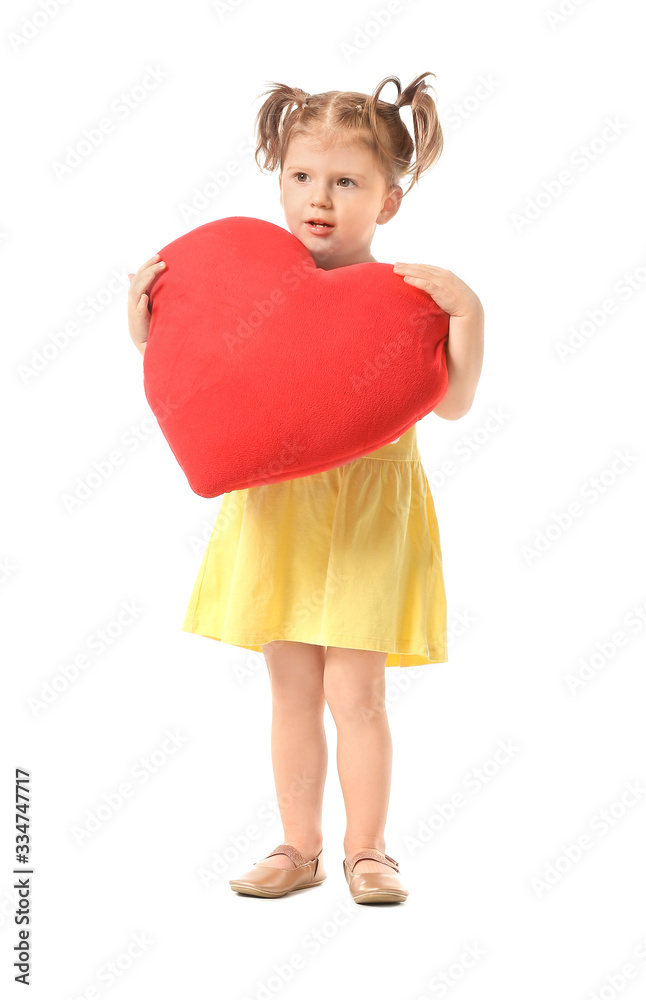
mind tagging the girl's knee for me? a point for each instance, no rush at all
(355, 686)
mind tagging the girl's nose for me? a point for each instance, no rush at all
(320, 199)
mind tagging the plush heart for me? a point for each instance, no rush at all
(261, 367)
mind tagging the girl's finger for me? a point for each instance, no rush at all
(418, 269)
(145, 277)
(150, 265)
(154, 271)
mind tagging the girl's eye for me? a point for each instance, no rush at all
(301, 173)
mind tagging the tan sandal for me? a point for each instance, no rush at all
(374, 887)
(263, 880)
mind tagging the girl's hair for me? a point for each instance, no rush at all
(336, 114)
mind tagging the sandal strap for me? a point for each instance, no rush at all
(291, 853)
(372, 855)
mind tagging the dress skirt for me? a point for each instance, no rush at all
(346, 557)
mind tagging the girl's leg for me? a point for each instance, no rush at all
(298, 744)
(355, 688)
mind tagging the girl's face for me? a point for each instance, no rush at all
(341, 185)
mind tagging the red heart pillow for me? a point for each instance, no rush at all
(261, 367)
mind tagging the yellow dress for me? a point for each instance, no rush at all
(346, 557)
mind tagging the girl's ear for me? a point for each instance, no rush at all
(391, 204)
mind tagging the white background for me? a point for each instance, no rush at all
(521, 100)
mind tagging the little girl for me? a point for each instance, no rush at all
(337, 575)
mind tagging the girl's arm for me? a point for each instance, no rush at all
(465, 344)
(464, 354)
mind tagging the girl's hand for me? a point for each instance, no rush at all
(450, 292)
(138, 313)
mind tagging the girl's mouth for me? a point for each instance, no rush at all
(320, 228)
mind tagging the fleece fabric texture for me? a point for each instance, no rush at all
(261, 367)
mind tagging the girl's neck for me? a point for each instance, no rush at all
(331, 266)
